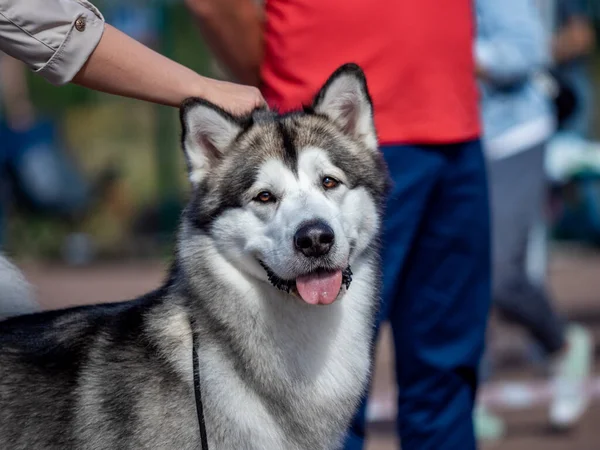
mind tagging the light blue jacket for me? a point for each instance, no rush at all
(512, 47)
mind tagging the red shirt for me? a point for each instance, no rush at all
(416, 54)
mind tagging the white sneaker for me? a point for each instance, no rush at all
(571, 371)
(488, 426)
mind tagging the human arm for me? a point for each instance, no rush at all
(67, 41)
(122, 66)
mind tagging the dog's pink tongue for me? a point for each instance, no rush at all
(319, 288)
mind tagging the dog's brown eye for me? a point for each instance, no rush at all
(265, 197)
(330, 183)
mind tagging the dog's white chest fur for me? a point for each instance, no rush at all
(298, 382)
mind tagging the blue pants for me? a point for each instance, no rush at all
(436, 291)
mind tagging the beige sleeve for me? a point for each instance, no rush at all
(53, 37)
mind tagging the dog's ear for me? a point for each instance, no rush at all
(346, 101)
(207, 132)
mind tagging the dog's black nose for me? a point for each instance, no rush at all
(314, 239)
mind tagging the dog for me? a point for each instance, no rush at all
(276, 273)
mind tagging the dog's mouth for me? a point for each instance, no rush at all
(319, 287)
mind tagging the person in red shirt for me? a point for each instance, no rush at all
(417, 57)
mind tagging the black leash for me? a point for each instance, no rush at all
(198, 393)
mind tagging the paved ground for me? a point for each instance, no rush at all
(575, 279)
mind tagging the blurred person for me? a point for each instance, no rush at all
(38, 173)
(16, 296)
(573, 40)
(573, 43)
(418, 60)
(67, 41)
(512, 50)
(36, 170)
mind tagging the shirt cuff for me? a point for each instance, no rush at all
(82, 39)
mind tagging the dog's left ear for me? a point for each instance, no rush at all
(207, 133)
(346, 101)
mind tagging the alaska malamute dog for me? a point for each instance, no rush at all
(275, 276)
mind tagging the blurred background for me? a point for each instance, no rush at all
(91, 187)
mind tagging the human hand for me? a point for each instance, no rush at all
(235, 98)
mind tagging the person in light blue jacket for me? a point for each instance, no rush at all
(512, 52)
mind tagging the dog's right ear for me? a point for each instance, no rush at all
(346, 101)
(207, 133)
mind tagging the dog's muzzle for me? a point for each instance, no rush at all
(289, 286)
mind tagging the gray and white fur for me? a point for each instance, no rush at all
(276, 372)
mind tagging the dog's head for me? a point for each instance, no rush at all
(290, 199)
